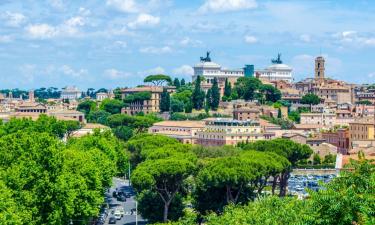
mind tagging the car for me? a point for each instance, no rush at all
(112, 220)
(121, 198)
(117, 215)
(114, 194)
(121, 210)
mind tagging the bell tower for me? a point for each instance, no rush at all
(319, 69)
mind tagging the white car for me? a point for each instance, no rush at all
(121, 210)
(117, 215)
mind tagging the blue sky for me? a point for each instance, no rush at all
(111, 43)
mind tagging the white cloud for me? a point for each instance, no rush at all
(250, 39)
(67, 70)
(70, 27)
(28, 72)
(5, 39)
(114, 74)
(156, 70)
(370, 42)
(128, 6)
(144, 20)
(226, 5)
(371, 75)
(184, 70)
(57, 4)
(305, 38)
(13, 19)
(41, 31)
(186, 41)
(155, 50)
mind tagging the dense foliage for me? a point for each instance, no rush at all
(310, 99)
(157, 79)
(138, 96)
(46, 181)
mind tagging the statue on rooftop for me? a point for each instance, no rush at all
(207, 59)
(278, 60)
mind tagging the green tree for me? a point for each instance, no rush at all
(316, 159)
(329, 158)
(310, 99)
(151, 206)
(349, 198)
(188, 107)
(98, 116)
(86, 106)
(279, 115)
(227, 88)
(176, 83)
(271, 93)
(164, 176)
(157, 79)
(294, 152)
(198, 95)
(165, 101)
(215, 95)
(294, 116)
(182, 82)
(176, 105)
(184, 96)
(123, 133)
(113, 106)
(246, 87)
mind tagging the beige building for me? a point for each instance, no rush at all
(324, 119)
(361, 130)
(220, 131)
(184, 131)
(146, 106)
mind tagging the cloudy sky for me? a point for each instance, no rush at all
(110, 43)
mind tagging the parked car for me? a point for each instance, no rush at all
(121, 198)
(121, 210)
(117, 215)
(112, 220)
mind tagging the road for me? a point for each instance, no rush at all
(128, 219)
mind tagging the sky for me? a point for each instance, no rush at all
(116, 43)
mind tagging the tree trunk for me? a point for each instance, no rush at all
(284, 183)
(274, 184)
(165, 215)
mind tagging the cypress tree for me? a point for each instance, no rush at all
(279, 113)
(215, 95)
(198, 95)
(176, 83)
(165, 101)
(182, 83)
(227, 88)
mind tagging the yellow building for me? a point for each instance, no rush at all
(361, 130)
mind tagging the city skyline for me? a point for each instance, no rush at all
(118, 42)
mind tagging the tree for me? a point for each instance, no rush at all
(364, 102)
(349, 198)
(176, 105)
(310, 99)
(164, 176)
(137, 97)
(184, 96)
(98, 116)
(215, 95)
(176, 83)
(151, 206)
(157, 79)
(295, 116)
(279, 115)
(188, 107)
(271, 93)
(198, 95)
(208, 101)
(123, 133)
(182, 82)
(246, 87)
(165, 101)
(294, 152)
(227, 88)
(316, 159)
(113, 106)
(329, 158)
(86, 106)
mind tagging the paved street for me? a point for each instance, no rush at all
(129, 218)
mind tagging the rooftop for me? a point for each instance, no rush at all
(186, 123)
